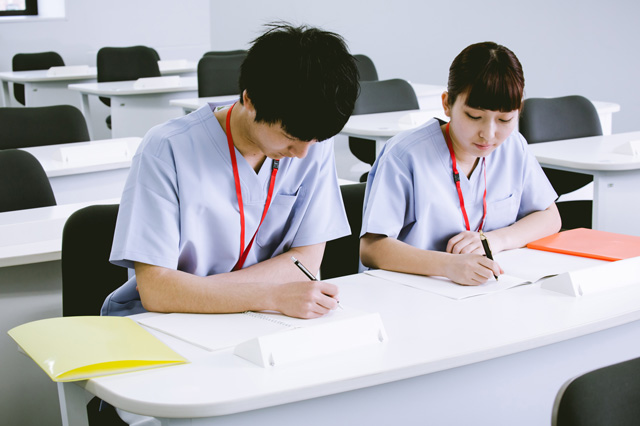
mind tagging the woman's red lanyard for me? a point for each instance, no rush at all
(456, 179)
(272, 180)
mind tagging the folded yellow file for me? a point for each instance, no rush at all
(78, 348)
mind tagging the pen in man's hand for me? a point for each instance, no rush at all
(487, 250)
(307, 273)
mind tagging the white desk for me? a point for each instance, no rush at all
(487, 360)
(616, 190)
(93, 170)
(30, 289)
(42, 89)
(191, 104)
(134, 111)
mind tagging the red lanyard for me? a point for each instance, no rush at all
(272, 180)
(456, 179)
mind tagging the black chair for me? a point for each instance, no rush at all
(24, 127)
(366, 68)
(380, 96)
(218, 74)
(342, 256)
(126, 63)
(23, 182)
(33, 61)
(606, 396)
(568, 117)
(88, 277)
(226, 52)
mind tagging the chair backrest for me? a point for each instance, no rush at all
(218, 74)
(385, 96)
(606, 396)
(342, 256)
(87, 275)
(33, 61)
(366, 68)
(24, 127)
(23, 182)
(550, 119)
(226, 52)
(126, 63)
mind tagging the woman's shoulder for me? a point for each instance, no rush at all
(407, 142)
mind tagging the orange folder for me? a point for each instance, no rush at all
(590, 243)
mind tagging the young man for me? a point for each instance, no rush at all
(218, 201)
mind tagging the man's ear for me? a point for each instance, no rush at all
(246, 102)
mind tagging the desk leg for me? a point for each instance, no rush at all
(616, 204)
(86, 111)
(73, 404)
(5, 93)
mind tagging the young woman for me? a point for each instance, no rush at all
(434, 188)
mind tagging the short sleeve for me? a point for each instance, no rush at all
(147, 229)
(537, 192)
(389, 201)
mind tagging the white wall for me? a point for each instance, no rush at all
(176, 29)
(587, 47)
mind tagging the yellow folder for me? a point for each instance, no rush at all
(78, 348)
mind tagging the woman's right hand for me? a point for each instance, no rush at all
(471, 269)
(306, 299)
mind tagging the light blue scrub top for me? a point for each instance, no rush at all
(411, 195)
(179, 208)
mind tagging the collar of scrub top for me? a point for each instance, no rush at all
(236, 177)
(456, 180)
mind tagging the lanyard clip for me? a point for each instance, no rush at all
(275, 164)
(456, 177)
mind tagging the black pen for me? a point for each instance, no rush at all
(307, 273)
(487, 250)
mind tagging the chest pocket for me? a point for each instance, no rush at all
(503, 212)
(279, 222)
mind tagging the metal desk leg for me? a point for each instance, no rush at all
(5, 93)
(86, 111)
(73, 404)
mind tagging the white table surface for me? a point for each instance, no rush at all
(520, 344)
(133, 110)
(616, 186)
(37, 81)
(100, 173)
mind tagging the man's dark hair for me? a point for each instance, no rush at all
(302, 78)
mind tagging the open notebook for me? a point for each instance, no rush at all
(78, 348)
(221, 331)
(521, 266)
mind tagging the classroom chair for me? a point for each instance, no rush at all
(126, 63)
(380, 96)
(23, 182)
(24, 127)
(30, 62)
(88, 277)
(342, 256)
(567, 117)
(606, 396)
(218, 74)
(366, 68)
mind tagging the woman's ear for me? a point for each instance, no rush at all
(445, 104)
(246, 101)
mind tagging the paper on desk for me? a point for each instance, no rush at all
(521, 266)
(220, 331)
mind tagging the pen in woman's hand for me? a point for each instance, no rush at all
(308, 273)
(487, 250)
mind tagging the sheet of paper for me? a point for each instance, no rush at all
(219, 331)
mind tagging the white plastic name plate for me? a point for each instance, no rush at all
(595, 279)
(68, 71)
(95, 153)
(629, 148)
(157, 82)
(309, 342)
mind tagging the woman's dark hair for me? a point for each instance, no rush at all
(302, 78)
(491, 76)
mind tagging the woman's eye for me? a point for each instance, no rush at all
(472, 117)
(506, 120)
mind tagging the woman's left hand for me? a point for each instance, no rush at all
(464, 243)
